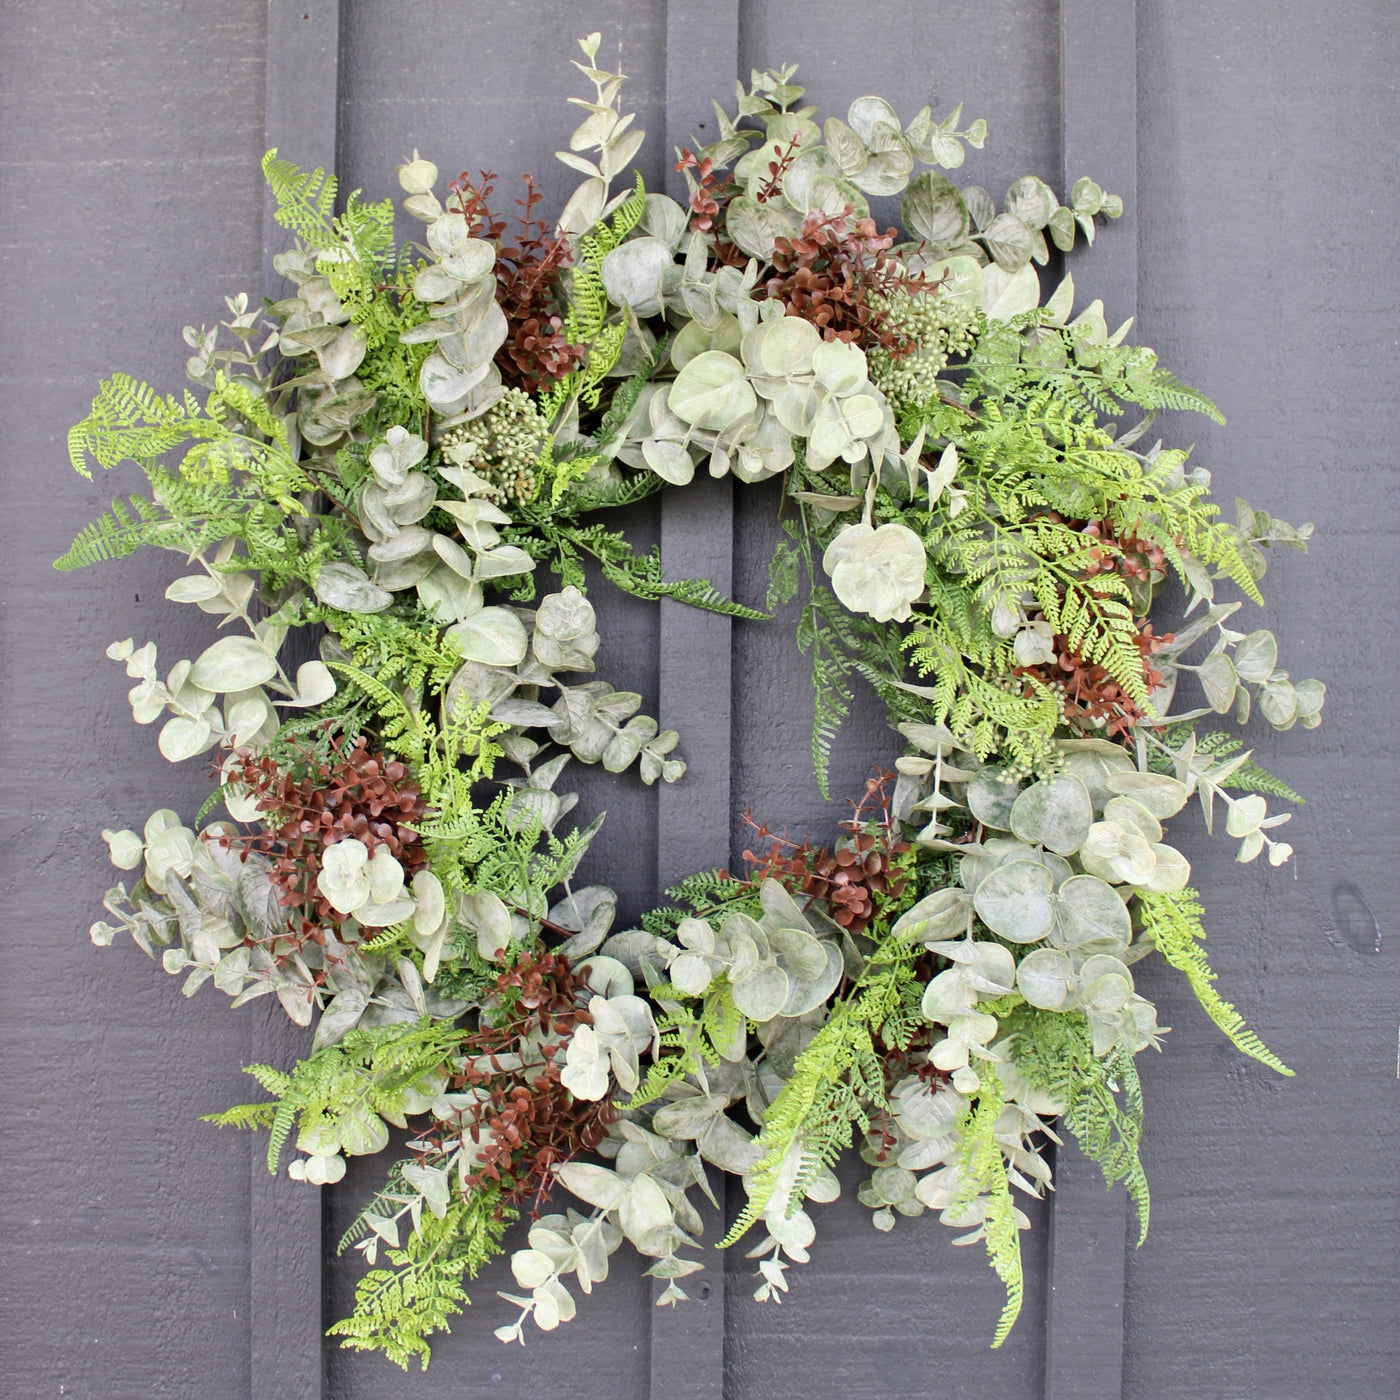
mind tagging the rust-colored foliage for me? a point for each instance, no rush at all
(855, 879)
(1091, 694)
(708, 202)
(315, 803)
(536, 349)
(829, 272)
(523, 1126)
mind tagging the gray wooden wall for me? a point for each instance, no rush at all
(1255, 147)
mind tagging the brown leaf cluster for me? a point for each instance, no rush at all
(523, 1126)
(313, 804)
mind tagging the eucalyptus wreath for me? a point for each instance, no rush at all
(410, 461)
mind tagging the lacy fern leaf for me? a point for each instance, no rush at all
(1173, 923)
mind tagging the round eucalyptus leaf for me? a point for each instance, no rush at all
(961, 279)
(694, 339)
(1278, 703)
(1014, 901)
(530, 1267)
(1061, 228)
(1107, 991)
(803, 956)
(754, 227)
(864, 415)
(1055, 812)
(810, 164)
(1126, 809)
(949, 994)
(446, 387)
(885, 172)
(493, 636)
(1161, 795)
(408, 543)
(686, 1118)
(470, 259)
(840, 367)
(808, 994)
(644, 1208)
(780, 908)
(991, 797)
(1009, 242)
(934, 209)
(363, 1133)
(1032, 201)
(723, 1142)
(847, 147)
(194, 588)
(503, 561)
(796, 407)
(711, 393)
(1218, 678)
(1008, 294)
(868, 114)
(1172, 873)
(1245, 815)
(1044, 977)
(1090, 918)
(1091, 761)
(989, 968)
(1086, 197)
(788, 348)
(598, 1186)
(763, 994)
(233, 663)
(453, 555)
(942, 914)
(634, 274)
(1256, 657)
(1308, 698)
(182, 738)
(435, 283)
(691, 973)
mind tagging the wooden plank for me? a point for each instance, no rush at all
(702, 61)
(303, 50)
(1088, 1225)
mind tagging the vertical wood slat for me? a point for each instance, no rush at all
(702, 62)
(303, 41)
(1088, 1225)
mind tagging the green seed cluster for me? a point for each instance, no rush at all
(939, 326)
(1036, 753)
(503, 446)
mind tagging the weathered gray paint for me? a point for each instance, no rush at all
(130, 201)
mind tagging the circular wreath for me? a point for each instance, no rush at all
(398, 454)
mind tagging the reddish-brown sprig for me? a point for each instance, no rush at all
(830, 272)
(314, 803)
(536, 350)
(856, 879)
(522, 1126)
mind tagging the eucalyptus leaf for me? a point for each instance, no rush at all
(1014, 901)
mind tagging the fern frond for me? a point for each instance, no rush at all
(398, 1308)
(305, 200)
(984, 1176)
(1173, 923)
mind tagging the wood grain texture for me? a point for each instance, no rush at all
(285, 1275)
(127, 1271)
(488, 93)
(1270, 1269)
(130, 134)
(695, 816)
(904, 1315)
(1088, 1224)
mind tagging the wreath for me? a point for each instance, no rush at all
(396, 457)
